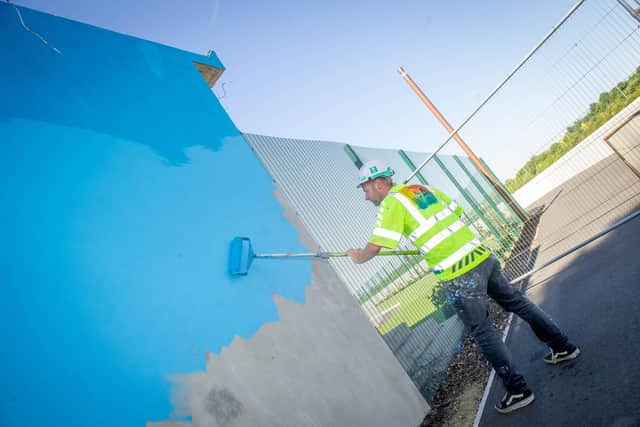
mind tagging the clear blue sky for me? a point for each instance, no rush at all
(327, 69)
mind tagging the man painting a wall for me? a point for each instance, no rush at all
(468, 271)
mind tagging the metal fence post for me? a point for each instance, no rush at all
(421, 178)
(469, 200)
(523, 210)
(412, 167)
(513, 235)
(480, 189)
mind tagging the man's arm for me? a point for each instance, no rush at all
(359, 256)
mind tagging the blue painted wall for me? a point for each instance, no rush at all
(122, 181)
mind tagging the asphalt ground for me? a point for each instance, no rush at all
(594, 296)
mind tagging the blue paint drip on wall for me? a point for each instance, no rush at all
(122, 181)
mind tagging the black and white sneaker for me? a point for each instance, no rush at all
(570, 352)
(511, 402)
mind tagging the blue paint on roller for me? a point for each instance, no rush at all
(240, 256)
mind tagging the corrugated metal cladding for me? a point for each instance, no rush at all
(319, 181)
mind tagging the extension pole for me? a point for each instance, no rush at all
(476, 161)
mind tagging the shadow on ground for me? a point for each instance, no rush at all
(594, 296)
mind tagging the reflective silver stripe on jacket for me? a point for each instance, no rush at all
(387, 234)
(439, 237)
(424, 224)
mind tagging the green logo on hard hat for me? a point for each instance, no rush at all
(374, 169)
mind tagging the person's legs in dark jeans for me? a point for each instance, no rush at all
(469, 296)
(540, 322)
(512, 300)
(474, 314)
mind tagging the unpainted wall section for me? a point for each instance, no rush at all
(322, 364)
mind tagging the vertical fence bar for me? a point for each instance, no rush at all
(511, 236)
(353, 156)
(422, 179)
(469, 200)
(505, 189)
(480, 189)
(412, 167)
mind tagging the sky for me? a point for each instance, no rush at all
(327, 70)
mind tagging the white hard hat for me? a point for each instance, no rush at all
(374, 169)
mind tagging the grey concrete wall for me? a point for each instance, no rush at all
(322, 364)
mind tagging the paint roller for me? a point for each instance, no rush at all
(241, 255)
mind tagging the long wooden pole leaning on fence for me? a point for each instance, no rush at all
(476, 161)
